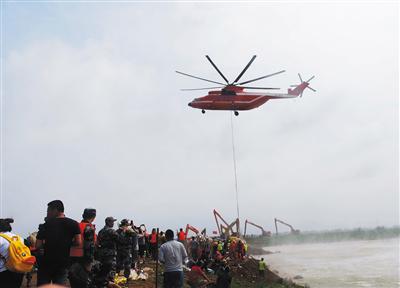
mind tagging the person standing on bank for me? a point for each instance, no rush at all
(58, 235)
(107, 241)
(173, 255)
(262, 266)
(124, 247)
(7, 278)
(80, 273)
(142, 244)
(135, 246)
(88, 234)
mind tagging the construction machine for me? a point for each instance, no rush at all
(292, 230)
(195, 230)
(225, 229)
(263, 232)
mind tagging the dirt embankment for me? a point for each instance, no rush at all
(244, 275)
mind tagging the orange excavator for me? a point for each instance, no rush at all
(195, 230)
(226, 229)
(292, 230)
(263, 232)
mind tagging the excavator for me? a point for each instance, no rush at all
(227, 229)
(292, 230)
(263, 232)
(195, 230)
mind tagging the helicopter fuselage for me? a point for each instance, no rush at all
(218, 101)
(229, 98)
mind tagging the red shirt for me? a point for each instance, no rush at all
(181, 236)
(197, 269)
(153, 238)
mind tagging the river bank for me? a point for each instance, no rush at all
(244, 275)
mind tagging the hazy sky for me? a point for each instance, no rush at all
(92, 113)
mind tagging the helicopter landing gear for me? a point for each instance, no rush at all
(236, 113)
(203, 111)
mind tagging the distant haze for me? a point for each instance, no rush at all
(92, 113)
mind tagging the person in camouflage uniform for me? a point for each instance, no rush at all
(80, 273)
(89, 235)
(81, 276)
(124, 247)
(107, 240)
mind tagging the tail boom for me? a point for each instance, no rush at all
(298, 89)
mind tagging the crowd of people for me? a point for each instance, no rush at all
(68, 251)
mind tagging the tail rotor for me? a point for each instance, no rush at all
(307, 83)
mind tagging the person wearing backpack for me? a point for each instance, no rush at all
(58, 235)
(15, 257)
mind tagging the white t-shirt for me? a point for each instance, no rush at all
(173, 255)
(4, 244)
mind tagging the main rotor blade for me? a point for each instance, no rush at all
(311, 89)
(310, 79)
(300, 77)
(259, 78)
(244, 70)
(199, 78)
(216, 68)
(194, 89)
(261, 88)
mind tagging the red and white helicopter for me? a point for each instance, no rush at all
(232, 96)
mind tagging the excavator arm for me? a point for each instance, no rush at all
(219, 226)
(292, 230)
(191, 228)
(226, 229)
(264, 233)
(230, 231)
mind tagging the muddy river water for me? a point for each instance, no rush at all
(372, 263)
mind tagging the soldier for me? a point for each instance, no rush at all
(124, 247)
(80, 272)
(107, 252)
(88, 234)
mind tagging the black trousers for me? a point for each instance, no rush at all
(55, 275)
(173, 279)
(124, 262)
(11, 279)
(107, 271)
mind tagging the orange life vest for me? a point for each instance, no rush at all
(77, 251)
(82, 227)
(181, 236)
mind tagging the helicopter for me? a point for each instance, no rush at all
(232, 97)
